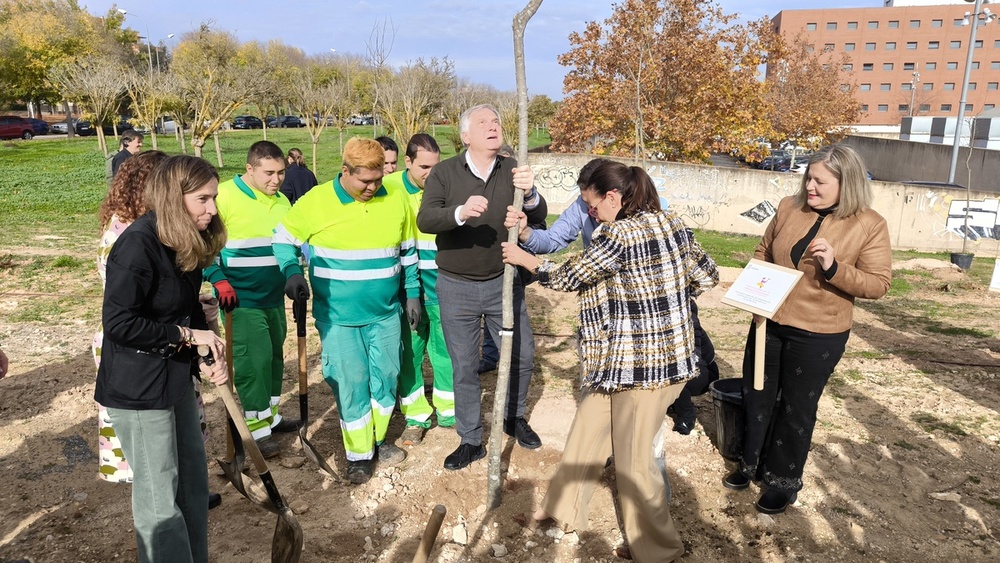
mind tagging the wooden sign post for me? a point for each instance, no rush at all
(761, 289)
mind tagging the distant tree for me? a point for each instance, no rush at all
(276, 65)
(213, 82)
(465, 94)
(350, 71)
(415, 94)
(379, 47)
(809, 96)
(96, 84)
(315, 89)
(149, 95)
(541, 108)
(662, 79)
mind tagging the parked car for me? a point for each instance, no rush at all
(285, 121)
(13, 127)
(86, 128)
(166, 126)
(61, 128)
(39, 126)
(361, 120)
(247, 122)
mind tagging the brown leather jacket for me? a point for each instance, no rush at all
(864, 265)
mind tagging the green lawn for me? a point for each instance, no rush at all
(52, 188)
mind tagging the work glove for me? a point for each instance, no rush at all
(296, 288)
(227, 295)
(413, 310)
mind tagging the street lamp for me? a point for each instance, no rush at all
(149, 52)
(913, 89)
(169, 36)
(976, 18)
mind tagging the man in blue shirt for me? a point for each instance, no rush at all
(573, 221)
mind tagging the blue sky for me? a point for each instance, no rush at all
(475, 34)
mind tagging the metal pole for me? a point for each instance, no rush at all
(913, 89)
(974, 22)
(149, 52)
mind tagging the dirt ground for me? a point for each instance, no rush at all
(904, 465)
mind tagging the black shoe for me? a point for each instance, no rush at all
(775, 501)
(486, 366)
(736, 481)
(519, 428)
(359, 472)
(684, 427)
(214, 500)
(389, 454)
(287, 425)
(268, 447)
(463, 456)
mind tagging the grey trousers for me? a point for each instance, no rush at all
(464, 304)
(166, 451)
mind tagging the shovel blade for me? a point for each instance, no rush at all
(286, 546)
(310, 451)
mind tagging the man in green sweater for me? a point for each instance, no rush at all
(248, 282)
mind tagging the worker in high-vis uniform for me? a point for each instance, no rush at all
(249, 284)
(422, 153)
(363, 251)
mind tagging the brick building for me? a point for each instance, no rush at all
(905, 54)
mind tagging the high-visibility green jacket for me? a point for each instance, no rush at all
(248, 260)
(426, 247)
(361, 252)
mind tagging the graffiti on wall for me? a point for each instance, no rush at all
(982, 219)
(760, 212)
(558, 183)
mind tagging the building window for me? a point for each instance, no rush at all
(872, 25)
(972, 85)
(914, 24)
(933, 44)
(906, 86)
(849, 67)
(886, 66)
(890, 46)
(992, 85)
(864, 107)
(995, 65)
(903, 108)
(957, 22)
(894, 24)
(945, 107)
(831, 26)
(952, 66)
(810, 27)
(949, 85)
(866, 87)
(885, 87)
(869, 46)
(911, 45)
(925, 107)
(968, 108)
(979, 43)
(928, 86)
(852, 25)
(868, 67)
(848, 46)
(955, 45)
(828, 48)
(937, 23)
(987, 107)
(975, 65)
(996, 43)
(883, 107)
(909, 66)
(930, 66)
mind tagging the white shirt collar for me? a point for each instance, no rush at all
(472, 167)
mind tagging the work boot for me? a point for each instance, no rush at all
(360, 471)
(287, 425)
(412, 436)
(268, 447)
(389, 454)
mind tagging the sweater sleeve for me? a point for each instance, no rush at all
(561, 234)
(435, 216)
(871, 275)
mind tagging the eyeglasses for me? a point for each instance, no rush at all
(592, 209)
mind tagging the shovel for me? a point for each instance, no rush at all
(299, 313)
(235, 455)
(286, 545)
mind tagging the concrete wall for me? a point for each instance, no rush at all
(904, 161)
(739, 200)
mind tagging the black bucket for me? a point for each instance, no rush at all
(727, 396)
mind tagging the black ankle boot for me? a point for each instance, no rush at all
(775, 501)
(736, 481)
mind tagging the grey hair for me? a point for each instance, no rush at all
(463, 121)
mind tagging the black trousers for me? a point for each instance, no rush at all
(708, 371)
(781, 417)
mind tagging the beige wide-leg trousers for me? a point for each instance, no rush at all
(622, 424)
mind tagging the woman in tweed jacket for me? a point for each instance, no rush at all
(635, 282)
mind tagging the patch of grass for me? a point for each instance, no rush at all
(995, 503)
(44, 310)
(727, 249)
(958, 331)
(853, 375)
(69, 262)
(905, 445)
(845, 512)
(867, 354)
(899, 286)
(930, 423)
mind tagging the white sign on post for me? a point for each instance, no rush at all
(761, 288)
(995, 280)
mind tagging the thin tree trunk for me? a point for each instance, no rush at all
(494, 480)
(218, 149)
